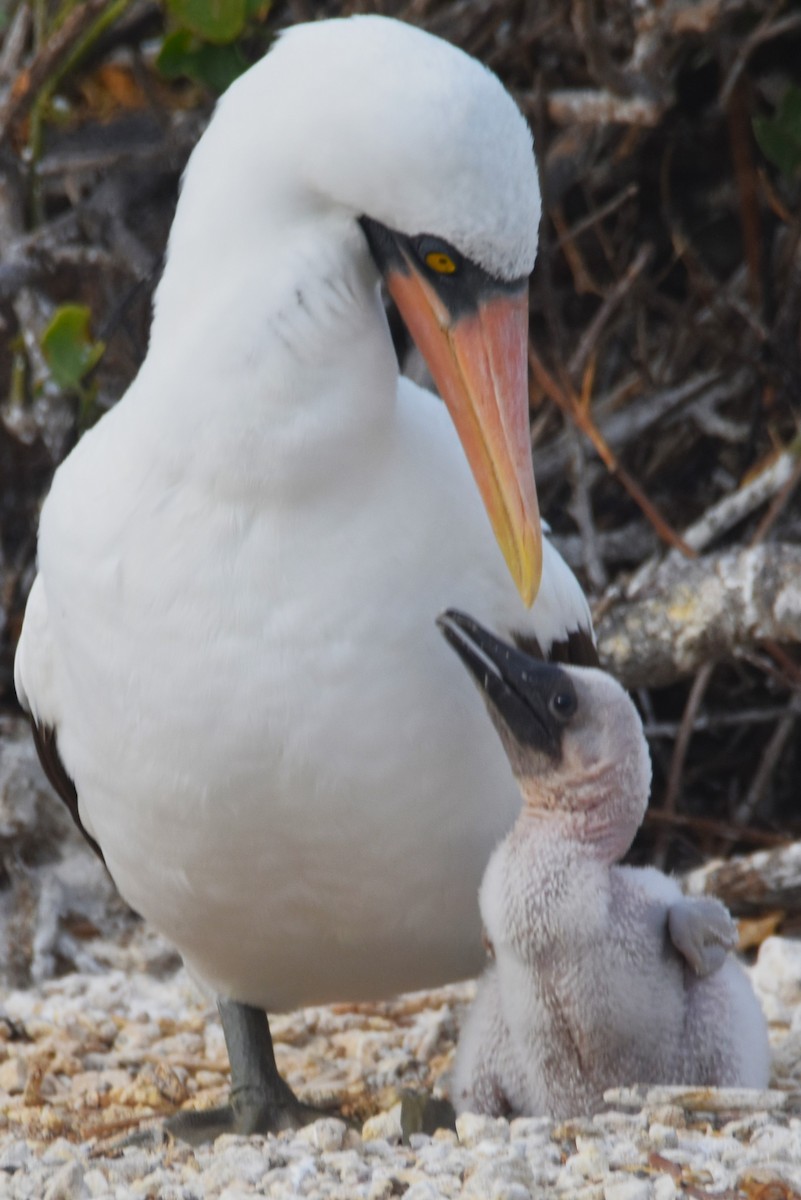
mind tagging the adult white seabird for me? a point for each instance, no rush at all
(229, 653)
(603, 974)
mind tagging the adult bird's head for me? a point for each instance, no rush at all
(365, 147)
(572, 736)
(455, 239)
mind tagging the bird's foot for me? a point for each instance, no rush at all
(703, 932)
(424, 1113)
(249, 1111)
(261, 1101)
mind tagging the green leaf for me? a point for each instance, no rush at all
(258, 10)
(214, 66)
(177, 51)
(68, 347)
(217, 21)
(779, 136)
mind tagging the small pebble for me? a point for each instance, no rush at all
(662, 1136)
(471, 1128)
(95, 1182)
(13, 1076)
(384, 1126)
(67, 1183)
(628, 1189)
(664, 1188)
(327, 1134)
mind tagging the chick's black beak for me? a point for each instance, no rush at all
(530, 701)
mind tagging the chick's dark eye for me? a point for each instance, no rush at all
(563, 704)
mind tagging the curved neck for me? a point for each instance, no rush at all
(539, 888)
(269, 344)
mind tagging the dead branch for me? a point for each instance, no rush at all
(586, 107)
(680, 748)
(620, 428)
(47, 63)
(724, 831)
(629, 544)
(578, 410)
(589, 338)
(732, 509)
(773, 480)
(701, 611)
(757, 883)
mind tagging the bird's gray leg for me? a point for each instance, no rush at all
(702, 931)
(261, 1102)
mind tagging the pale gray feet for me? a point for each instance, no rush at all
(703, 932)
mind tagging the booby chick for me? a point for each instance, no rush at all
(229, 653)
(603, 975)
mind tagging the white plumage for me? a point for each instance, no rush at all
(232, 631)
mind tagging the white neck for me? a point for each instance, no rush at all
(279, 294)
(539, 886)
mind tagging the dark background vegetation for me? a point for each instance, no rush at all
(666, 303)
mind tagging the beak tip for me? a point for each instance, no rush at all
(526, 570)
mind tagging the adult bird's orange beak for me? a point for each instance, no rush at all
(477, 354)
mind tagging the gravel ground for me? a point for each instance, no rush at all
(90, 1063)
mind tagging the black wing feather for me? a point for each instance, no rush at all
(44, 738)
(577, 649)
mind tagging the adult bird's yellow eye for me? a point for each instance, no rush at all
(440, 262)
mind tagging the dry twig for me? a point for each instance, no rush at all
(703, 611)
(755, 884)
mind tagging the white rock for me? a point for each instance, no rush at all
(384, 1126)
(508, 1179)
(664, 1188)
(96, 1183)
(777, 977)
(473, 1128)
(590, 1162)
(628, 1189)
(327, 1134)
(424, 1191)
(382, 1188)
(13, 1076)
(535, 1130)
(15, 1156)
(662, 1136)
(67, 1183)
(59, 1151)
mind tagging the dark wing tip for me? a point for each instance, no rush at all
(577, 649)
(44, 738)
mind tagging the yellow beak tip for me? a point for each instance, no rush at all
(526, 570)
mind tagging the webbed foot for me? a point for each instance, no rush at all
(261, 1101)
(243, 1117)
(703, 932)
(424, 1113)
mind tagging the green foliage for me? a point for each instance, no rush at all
(779, 136)
(216, 67)
(218, 21)
(68, 346)
(205, 45)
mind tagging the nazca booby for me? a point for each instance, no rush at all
(229, 653)
(603, 975)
